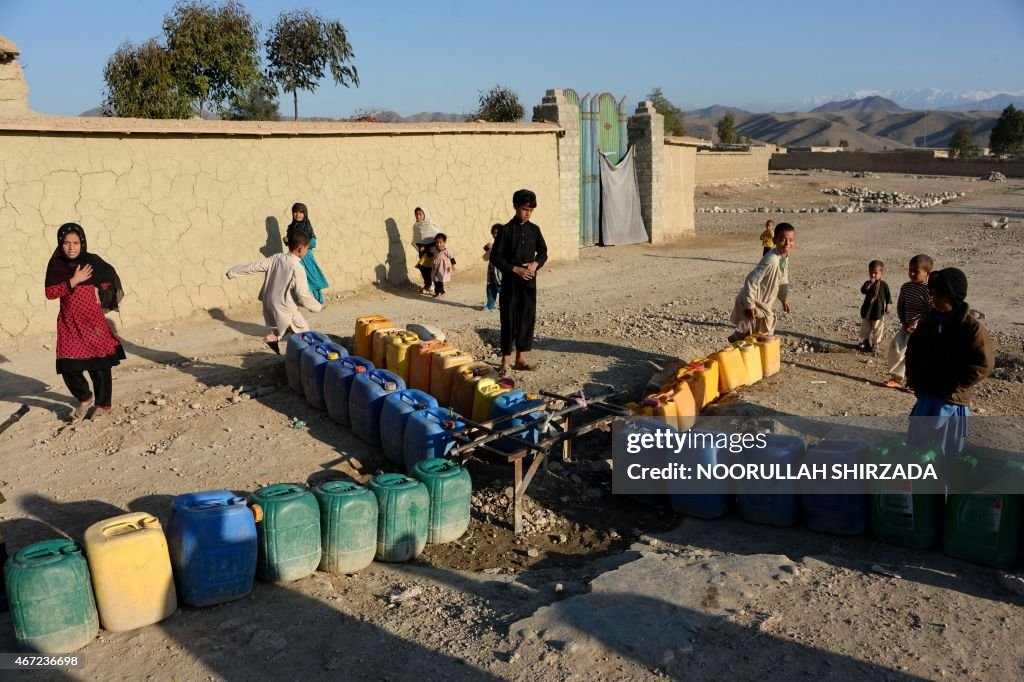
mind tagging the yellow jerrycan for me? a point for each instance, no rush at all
(732, 373)
(131, 571)
(362, 341)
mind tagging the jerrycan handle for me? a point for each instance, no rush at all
(49, 553)
(284, 490)
(125, 527)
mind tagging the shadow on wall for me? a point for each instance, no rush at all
(396, 270)
(274, 244)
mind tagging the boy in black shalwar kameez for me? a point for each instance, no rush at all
(519, 252)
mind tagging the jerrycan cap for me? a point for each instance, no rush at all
(150, 522)
(390, 386)
(447, 425)
(507, 382)
(332, 356)
(765, 338)
(360, 369)
(696, 366)
(650, 402)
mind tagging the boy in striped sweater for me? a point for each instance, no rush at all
(913, 302)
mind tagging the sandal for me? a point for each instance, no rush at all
(273, 345)
(892, 383)
(525, 367)
(83, 407)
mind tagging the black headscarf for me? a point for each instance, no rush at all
(61, 268)
(305, 225)
(952, 282)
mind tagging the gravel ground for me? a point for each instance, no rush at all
(599, 587)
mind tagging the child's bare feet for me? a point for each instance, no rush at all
(273, 342)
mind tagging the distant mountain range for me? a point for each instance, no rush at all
(917, 99)
(870, 123)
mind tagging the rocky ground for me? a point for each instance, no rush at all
(599, 587)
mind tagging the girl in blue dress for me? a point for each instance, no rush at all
(314, 275)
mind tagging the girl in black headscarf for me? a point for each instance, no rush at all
(314, 276)
(87, 286)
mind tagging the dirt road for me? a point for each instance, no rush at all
(615, 589)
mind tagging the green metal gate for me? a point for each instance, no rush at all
(602, 131)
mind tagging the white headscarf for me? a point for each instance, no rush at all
(424, 231)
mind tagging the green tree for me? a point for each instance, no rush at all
(140, 83)
(844, 144)
(727, 129)
(300, 46)
(500, 105)
(215, 49)
(674, 117)
(258, 102)
(1007, 137)
(962, 143)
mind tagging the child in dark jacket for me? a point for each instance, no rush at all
(947, 355)
(877, 304)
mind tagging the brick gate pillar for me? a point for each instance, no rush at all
(647, 135)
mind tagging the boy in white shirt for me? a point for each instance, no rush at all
(284, 289)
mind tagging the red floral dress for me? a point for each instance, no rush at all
(84, 339)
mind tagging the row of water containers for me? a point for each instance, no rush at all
(983, 528)
(407, 396)
(680, 396)
(131, 574)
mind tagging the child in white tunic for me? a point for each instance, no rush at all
(284, 289)
(752, 313)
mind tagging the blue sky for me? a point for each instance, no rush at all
(438, 56)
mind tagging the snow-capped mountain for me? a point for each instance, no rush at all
(927, 98)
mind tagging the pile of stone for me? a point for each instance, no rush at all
(852, 208)
(863, 195)
(1002, 223)
(994, 176)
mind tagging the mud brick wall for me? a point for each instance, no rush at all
(174, 204)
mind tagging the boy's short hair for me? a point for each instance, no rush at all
(876, 265)
(769, 222)
(782, 227)
(442, 236)
(524, 197)
(923, 262)
(297, 239)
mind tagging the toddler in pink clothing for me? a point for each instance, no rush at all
(444, 264)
